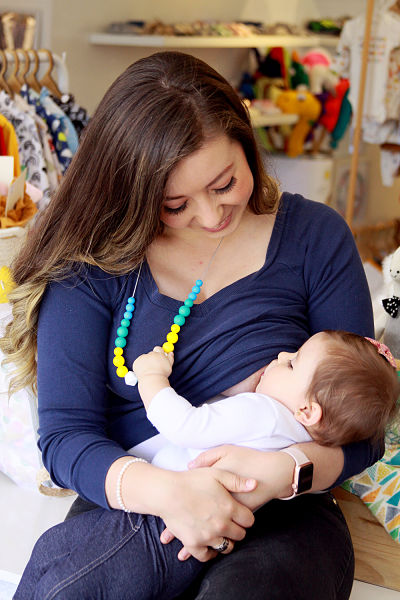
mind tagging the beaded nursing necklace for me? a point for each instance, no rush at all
(172, 336)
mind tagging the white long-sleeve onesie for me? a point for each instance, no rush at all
(251, 419)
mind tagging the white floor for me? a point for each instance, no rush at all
(26, 514)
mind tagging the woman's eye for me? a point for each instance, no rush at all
(175, 211)
(228, 187)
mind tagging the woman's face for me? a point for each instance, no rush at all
(209, 190)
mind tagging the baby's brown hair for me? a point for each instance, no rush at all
(357, 389)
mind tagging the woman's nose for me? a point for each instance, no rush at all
(209, 213)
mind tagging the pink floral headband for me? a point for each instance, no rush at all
(384, 350)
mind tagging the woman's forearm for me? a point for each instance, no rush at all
(328, 464)
(141, 486)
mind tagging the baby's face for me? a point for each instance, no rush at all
(288, 378)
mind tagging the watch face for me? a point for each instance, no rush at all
(305, 478)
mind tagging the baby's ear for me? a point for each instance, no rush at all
(309, 414)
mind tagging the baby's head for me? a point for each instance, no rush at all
(338, 385)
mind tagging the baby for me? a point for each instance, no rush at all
(337, 388)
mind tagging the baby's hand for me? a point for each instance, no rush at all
(156, 362)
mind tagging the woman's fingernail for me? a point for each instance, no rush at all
(250, 483)
(183, 555)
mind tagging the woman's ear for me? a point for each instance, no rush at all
(309, 414)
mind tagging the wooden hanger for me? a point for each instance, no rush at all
(30, 77)
(47, 79)
(3, 83)
(12, 80)
(26, 63)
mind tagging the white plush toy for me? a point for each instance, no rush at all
(387, 324)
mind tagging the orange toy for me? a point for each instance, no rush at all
(308, 108)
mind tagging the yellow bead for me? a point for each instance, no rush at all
(175, 328)
(122, 371)
(172, 337)
(118, 351)
(119, 361)
(168, 347)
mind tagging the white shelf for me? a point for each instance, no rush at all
(255, 41)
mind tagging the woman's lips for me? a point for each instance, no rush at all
(221, 226)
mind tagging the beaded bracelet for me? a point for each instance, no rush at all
(119, 482)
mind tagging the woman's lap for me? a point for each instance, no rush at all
(300, 549)
(297, 550)
(99, 555)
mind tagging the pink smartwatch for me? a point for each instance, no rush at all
(302, 474)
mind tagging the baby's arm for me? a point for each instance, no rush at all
(152, 370)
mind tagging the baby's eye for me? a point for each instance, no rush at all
(290, 365)
(175, 211)
(228, 187)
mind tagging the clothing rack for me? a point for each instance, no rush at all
(46, 59)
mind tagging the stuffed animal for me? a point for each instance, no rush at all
(387, 324)
(308, 108)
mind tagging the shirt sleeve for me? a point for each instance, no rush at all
(339, 298)
(231, 419)
(73, 335)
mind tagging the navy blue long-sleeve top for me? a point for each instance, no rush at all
(312, 280)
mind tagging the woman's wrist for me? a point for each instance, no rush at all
(143, 488)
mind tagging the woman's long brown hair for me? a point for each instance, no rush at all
(106, 211)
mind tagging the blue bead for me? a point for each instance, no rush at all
(188, 302)
(199, 283)
(127, 315)
(196, 289)
(122, 332)
(126, 322)
(192, 296)
(184, 310)
(179, 320)
(120, 342)
(131, 300)
(129, 308)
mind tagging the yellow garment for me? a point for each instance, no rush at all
(24, 210)
(11, 142)
(6, 284)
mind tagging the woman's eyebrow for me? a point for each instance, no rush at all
(213, 182)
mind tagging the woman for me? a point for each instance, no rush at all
(166, 188)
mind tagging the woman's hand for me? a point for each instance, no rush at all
(272, 470)
(202, 511)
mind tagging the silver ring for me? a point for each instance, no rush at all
(223, 545)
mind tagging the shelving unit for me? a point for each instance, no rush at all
(170, 41)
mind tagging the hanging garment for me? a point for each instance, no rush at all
(75, 112)
(385, 36)
(3, 147)
(53, 168)
(10, 141)
(29, 145)
(64, 153)
(66, 124)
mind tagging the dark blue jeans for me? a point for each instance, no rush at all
(297, 550)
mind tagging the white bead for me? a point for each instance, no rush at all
(119, 482)
(130, 378)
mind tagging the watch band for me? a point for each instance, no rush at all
(303, 465)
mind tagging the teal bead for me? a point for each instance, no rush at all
(125, 322)
(120, 342)
(129, 308)
(127, 315)
(199, 283)
(184, 310)
(179, 320)
(131, 300)
(122, 332)
(192, 296)
(188, 303)
(196, 289)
